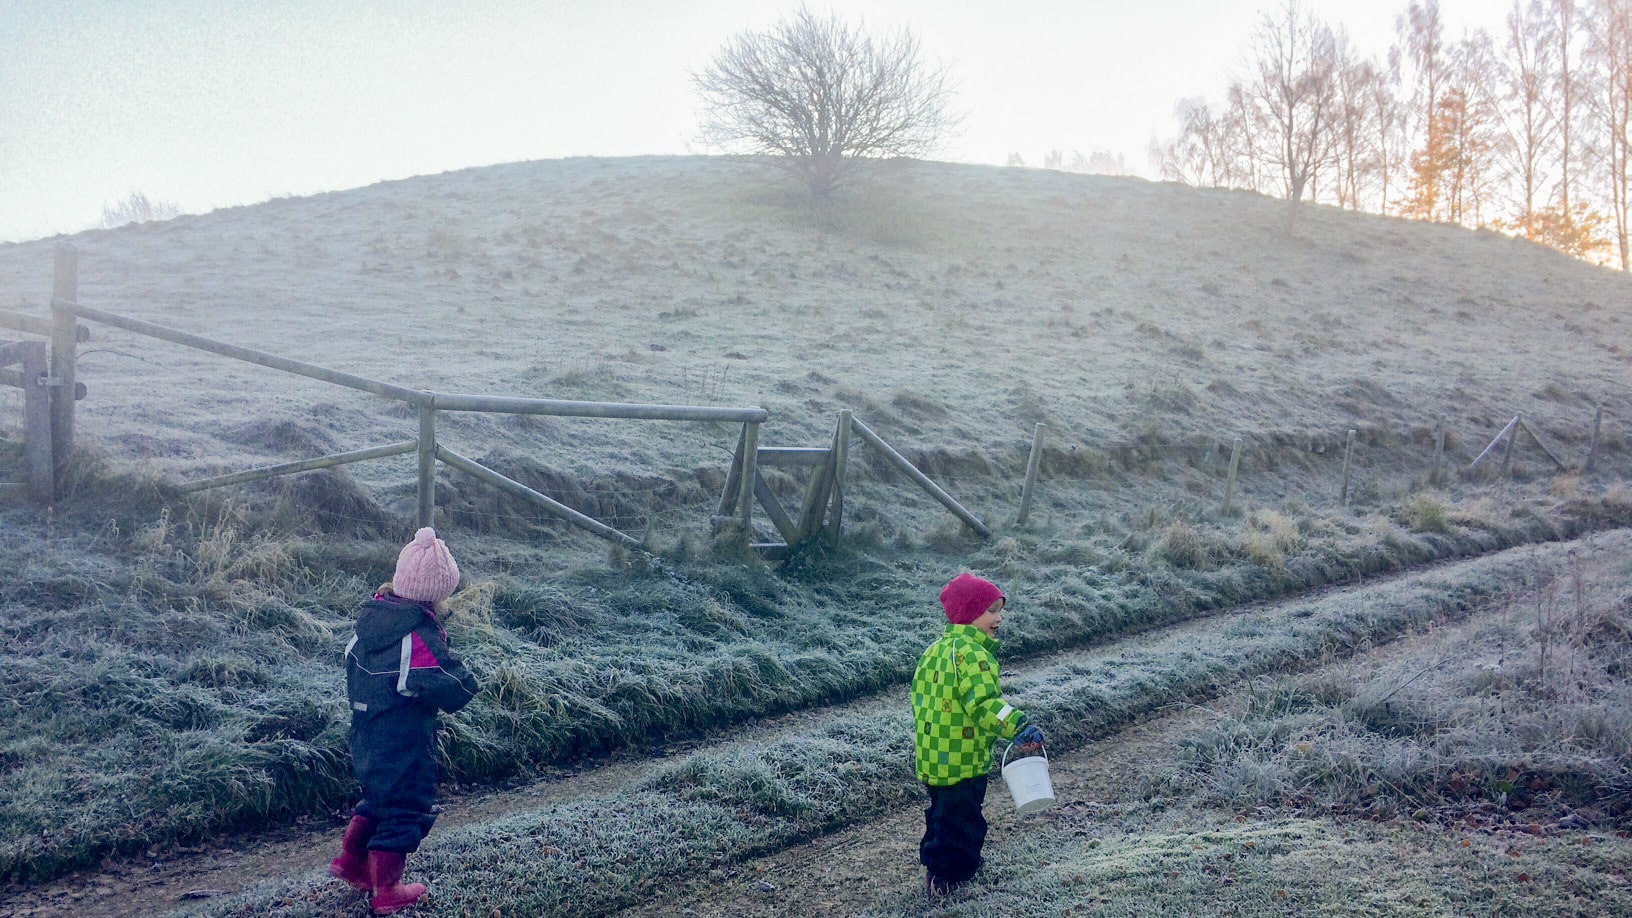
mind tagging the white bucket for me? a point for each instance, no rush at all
(1028, 781)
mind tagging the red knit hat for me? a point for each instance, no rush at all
(966, 597)
(426, 570)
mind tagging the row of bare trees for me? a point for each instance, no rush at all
(1529, 131)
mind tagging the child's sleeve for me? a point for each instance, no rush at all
(983, 699)
(436, 674)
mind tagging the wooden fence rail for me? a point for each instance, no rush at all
(66, 333)
(911, 471)
(47, 374)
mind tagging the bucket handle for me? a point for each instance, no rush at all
(1010, 748)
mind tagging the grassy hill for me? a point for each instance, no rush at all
(172, 666)
(951, 306)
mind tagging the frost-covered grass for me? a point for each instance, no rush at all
(1209, 862)
(175, 675)
(719, 806)
(1482, 767)
(171, 668)
(1524, 718)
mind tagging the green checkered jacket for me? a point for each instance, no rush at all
(958, 708)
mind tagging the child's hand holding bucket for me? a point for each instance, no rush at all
(1027, 774)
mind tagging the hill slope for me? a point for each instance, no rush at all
(951, 306)
(171, 665)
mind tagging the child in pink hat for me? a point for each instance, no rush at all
(400, 671)
(958, 711)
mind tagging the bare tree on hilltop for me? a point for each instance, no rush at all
(1292, 95)
(824, 98)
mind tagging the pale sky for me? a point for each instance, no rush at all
(213, 103)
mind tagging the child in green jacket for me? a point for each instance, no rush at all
(958, 711)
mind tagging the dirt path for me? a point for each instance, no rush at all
(174, 876)
(837, 874)
(845, 874)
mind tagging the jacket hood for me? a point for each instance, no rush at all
(385, 620)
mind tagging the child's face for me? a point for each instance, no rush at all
(990, 619)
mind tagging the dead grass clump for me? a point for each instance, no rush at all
(1565, 485)
(285, 436)
(1479, 513)
(216, 546)
(473, 604)
(222, 552)
(1180, 545)
(1423, 513)
(332, 501)
(1270, 538)
(913, 404)
(1283, 531)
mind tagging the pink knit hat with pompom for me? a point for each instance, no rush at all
(426, 570)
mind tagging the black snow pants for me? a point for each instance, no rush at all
(954, 830)
(394, 758)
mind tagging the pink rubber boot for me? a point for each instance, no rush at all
(390, 894)
(352, 864)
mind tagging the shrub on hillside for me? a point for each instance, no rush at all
(137, 208)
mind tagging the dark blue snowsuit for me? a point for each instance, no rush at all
(399, 672)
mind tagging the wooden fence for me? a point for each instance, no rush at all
(46, 377)
(47, 374)
(822, 509)
(50, 422)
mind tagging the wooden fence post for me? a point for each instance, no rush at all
(750, 472)
(1348, 460)
(1510, 428)
(1439, 453)
(1032, 464)
(1512, 443)
(733, 479)
(64, 342)
(911, 471)
(37, 443)
(841, 453)
(1229, 486)
(427, 463)
(1592, 449)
